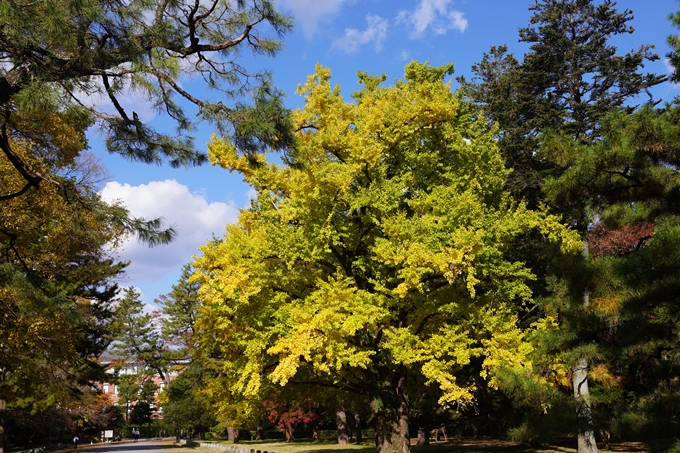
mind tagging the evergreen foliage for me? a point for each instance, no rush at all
(568, 81)
(57, 283)
(135, 336)
(87, 48)
(632, 183)
(555, 106)
(185, 404)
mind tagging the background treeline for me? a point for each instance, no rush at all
(500, 259)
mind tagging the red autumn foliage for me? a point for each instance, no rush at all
(286, 417)
(604, 241)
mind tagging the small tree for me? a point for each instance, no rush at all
(185, 407)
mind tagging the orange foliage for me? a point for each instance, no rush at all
(607, 241)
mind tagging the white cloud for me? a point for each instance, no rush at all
(310, 12)
(193, 217)
(353, 39)
(670, 69)
(434, 15)
(251, 194)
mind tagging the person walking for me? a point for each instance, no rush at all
(75, 441)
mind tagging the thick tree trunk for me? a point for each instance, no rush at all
(259, 432)
(586, 434)
(390, 417)
(233, 435)
(341, 421)
(423, 436)
(357, 428)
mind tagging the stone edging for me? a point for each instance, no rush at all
(32, 450)
(231, 448)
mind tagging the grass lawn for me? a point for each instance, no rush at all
(453, 446)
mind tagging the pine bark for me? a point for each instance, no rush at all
(586, 435)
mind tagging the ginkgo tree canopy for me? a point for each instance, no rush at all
(375, 248)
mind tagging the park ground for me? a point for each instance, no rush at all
(480, 445)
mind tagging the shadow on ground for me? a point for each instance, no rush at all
(125, 446)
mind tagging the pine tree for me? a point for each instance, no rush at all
(179, 310)
(82, 48)
(630, 178)
(136, 336)
(566, 84)
(57, 283)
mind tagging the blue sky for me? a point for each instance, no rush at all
(375, 36)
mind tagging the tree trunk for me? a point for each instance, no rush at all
(259, 432)
(341, 420)
(586, 434)
(493, 426)
(390, 415)
(230, 434)
(357, 428)
(11, 83)
(423, 436)
(3, 414)
(441, 432)
(288, 428)
(607, 439)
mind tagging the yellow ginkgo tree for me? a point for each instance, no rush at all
(374, 249)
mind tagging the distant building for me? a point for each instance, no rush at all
(117, 366)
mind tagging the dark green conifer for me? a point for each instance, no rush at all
(568, 82)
